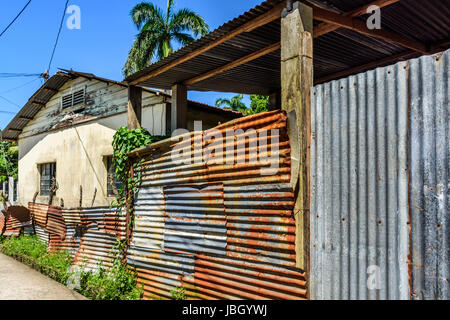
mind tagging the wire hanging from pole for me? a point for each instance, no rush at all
(18, 15)
(57, 37)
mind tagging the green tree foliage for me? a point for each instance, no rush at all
(8, 160)
(158, 31)
(235, 103)
(258, 104)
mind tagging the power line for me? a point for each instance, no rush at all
(19, 87)
(9, 101)
(57, 37)
(19, 75)
(18, 15)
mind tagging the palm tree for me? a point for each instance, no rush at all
(235, 103)
(158, 31)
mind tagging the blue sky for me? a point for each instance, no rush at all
(100, 46)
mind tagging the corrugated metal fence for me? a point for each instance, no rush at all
(222, 231)
(89, 234)
(380, 183)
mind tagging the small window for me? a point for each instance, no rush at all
(48, 172)
(111, 178)
(73, 99)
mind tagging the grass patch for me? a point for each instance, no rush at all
(115, 283)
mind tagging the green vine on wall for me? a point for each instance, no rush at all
(126, 140)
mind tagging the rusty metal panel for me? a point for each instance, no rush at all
(43, 235)
(430, 176)
(222, 231)
(359, 187)
(380, 183)
(39, 213)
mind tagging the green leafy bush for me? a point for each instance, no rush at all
(178, 293)
(32, 251)
(115, 283)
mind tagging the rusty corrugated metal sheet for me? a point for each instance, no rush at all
(220, 231)
(102, 227)
(430, 176)
(379, 183)
(39, 213)
(89, 234)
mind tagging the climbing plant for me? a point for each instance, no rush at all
(126, 140)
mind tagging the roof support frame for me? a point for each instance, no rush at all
(360, 27)
(325, 27)
(234, 64)
(264, 19)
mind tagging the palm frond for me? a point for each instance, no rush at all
(186, 19)
(183, 38)
(144, 12)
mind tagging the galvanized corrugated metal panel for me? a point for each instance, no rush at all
(430, 176)
(89, 234)
(220, 231)
(359, 186)
(380, 183)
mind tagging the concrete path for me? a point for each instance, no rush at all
(20, 282)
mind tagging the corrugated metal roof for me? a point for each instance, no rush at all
(340, 50)
(42, 96)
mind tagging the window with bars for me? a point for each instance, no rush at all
(111, 178)
(73, 99)
(48, 172)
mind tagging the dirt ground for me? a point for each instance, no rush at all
(20, 282)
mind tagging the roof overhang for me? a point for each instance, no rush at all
(243, 55)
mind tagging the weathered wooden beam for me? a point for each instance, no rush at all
(134, 107)
(361, 27)
(296, 84)
(51, 89)
(15, 130)
(234, 64)
(25, 118)
(38, 104)
(365, 67)
(275, 101)
(325, 28)
(263, 19)
(179, 107)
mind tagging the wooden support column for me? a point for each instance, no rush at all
(178, 109)
(134, 107)
(275, 101)
(296, 83)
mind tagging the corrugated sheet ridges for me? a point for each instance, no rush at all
(359, 181)
(430, 176)
(220, 231)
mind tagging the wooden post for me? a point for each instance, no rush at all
(179, 107)
(134, 107)
(275, 101)
(11, 190)
(296, 82)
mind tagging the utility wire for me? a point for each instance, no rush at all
(57, 37)
(9, 101)
(19, 75)
(18, 15)
(19, 87)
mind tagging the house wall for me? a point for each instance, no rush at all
(79, 138)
